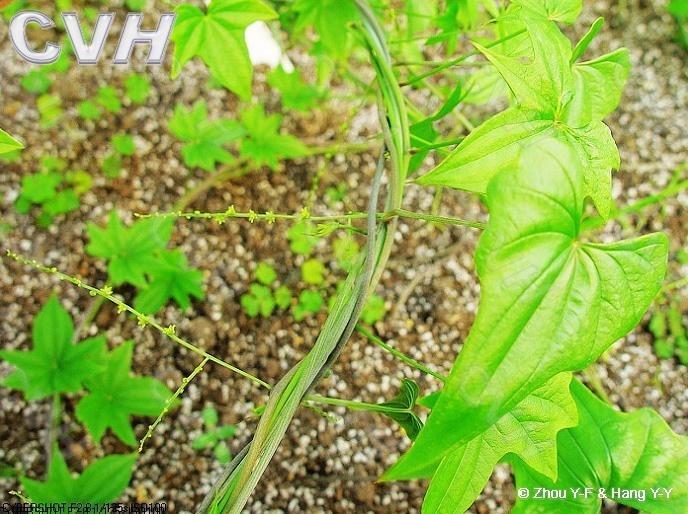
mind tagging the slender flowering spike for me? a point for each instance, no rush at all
(170, 401)
(142, 318)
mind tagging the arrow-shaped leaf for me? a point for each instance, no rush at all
(400, 409)
(553, 95)
(598, 85)
(490, 148)
(550, 302)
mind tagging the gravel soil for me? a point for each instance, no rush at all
(429, 287)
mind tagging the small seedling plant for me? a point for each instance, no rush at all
(214, 436)
(109, 396)
(554, 297)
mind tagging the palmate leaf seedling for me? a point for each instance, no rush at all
(49, 109)
(114, 395)
(313, 272)
(108, 99)
(39, 80)
(171, 279)
(214, 436)
(302, 238)
(216, 35)
(256, 135)
(122, 146)
(204, 140)
(331, 20)
(54, 365)
(138, 256)
(263, 144)
(88, 110)
(295, 93)
(309, 302)
(137, 88)
(261, 299)
(669, 331)
(103, 481)
(53, 190)
(36, 81)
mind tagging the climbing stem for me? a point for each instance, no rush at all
(675, 187)
(676, 284)
(355, 405)
(399, 355)
(448, 64)
(169, 332)
(170, 402)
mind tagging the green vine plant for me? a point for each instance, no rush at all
(553, 297)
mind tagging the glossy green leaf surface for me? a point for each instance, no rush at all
(8, 143)
(564, 11)
(491, 147)
(528, 430)
(598, 85)
(545, 294)
(613, 451)
(405, 401)
(553, 96)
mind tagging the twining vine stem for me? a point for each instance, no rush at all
(399, 355)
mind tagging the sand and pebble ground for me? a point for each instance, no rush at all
(429, 286)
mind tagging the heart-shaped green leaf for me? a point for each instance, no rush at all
(550, 301)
